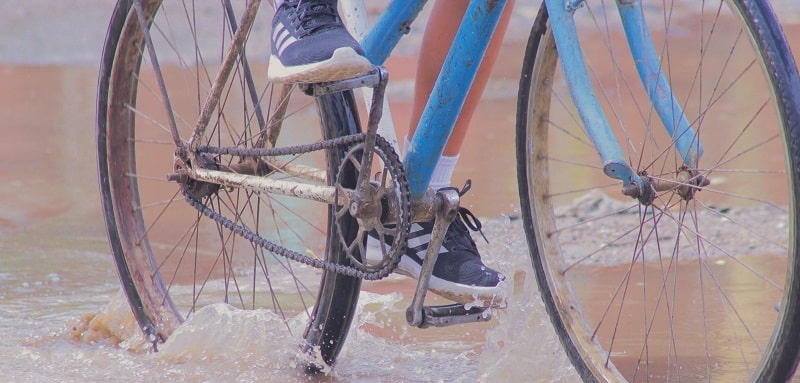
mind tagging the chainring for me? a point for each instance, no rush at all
(397, 205)
(383, 214)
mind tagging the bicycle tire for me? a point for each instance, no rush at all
(171, 259)
(577, 238)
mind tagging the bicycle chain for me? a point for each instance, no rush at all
(270, 246)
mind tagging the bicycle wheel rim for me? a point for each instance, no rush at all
(540, 157)
(152, 249)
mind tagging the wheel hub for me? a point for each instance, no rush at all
(194, 188)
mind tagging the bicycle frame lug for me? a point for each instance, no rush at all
(619, 170)
(423, 208)
(446, 205)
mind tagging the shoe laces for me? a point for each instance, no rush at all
(313, 16)
(465, 219)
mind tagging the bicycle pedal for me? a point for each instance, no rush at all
(454, 314)
(370, 79)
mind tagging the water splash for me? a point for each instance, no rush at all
(114, 325)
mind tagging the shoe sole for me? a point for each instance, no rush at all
(344, 63)
(492, 296)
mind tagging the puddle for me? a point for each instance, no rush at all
(62, 317)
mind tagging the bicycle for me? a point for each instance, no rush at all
(706, 206)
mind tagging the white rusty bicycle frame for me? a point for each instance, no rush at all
(355, 17)
(315, 189)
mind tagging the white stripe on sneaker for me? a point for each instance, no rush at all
(419, 243)
(286, 43)
(275, 31)
(490, 296)
(282, 38)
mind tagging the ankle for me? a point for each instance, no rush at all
(443, 172)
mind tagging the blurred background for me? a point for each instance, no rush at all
(56, 272)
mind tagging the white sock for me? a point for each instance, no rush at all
(443, 172)
(406, 145)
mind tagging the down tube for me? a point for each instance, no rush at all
(449, 92)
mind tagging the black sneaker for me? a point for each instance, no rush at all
(310, 44)
(459, 274)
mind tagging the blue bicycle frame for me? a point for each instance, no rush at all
(461, 66)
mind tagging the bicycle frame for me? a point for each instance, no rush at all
(451, 87)
(455, 80)
(654, 80)
(470, 43)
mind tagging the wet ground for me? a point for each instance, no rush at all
(56, 271)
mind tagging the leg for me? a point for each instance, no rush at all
(459, 274)
(442, 26)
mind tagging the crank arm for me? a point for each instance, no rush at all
(446, 207)
(377, 78)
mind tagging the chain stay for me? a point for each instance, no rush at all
(270, 246)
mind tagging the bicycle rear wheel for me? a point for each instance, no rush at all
(172, 259)
(685, 289)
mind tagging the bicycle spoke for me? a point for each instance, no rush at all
(680, 288)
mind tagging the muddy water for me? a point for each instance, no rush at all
(745, 291)
(62, 316)
(63, 319)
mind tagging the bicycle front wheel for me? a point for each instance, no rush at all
(696, 286)
(174, 259)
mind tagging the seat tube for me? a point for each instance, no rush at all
(450, 91)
